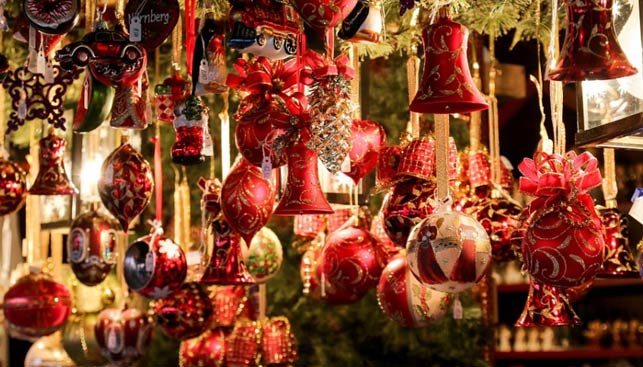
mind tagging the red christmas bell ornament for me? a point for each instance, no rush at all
(193, 142)
(449, 251)
(563, 245)
(348, 258)
(13, 186)
(619, 261)
(591, 50)
(447, 86)
(255, 141)
(407, 301)
(226, 265)
(385, 249)
(303, 193)
(123, 335)
(91, 245)
(367, 139)
(228, 303)
(207, 349)
(387, 164)
(323, 14)
(154, 266)
(316, 284)
(36, 306)
(547, 306)
(52, 178)
(247, 199)
(186, 313)
(309, 225)
(125, 185)
(499, 216)
(410, 201)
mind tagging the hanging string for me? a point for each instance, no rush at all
(355, 83)
(545, 145)
(330, 43)
(225, 139)
(190, 32)
(32, 207)
(442, 155)
(494, 129)
(610, 188)
(176, 44)
(476, 117)
(556, 87)
(158, 173)
(90, 10)
(413, 77)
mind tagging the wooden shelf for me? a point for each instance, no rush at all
(577, 353)
(598, 283)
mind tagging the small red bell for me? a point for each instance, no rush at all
(303, 194)
(52, 178)
(619, 261)
(547, 306)
(591, 50)
(447, 86)
(226, 266)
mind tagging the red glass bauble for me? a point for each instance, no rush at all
(348, 259)
(13, 187)
(52, 178)
(91, 245)
(36, 306)
(323, 14)
(367, 139)
(563, 245)
(208, 349)
(405, 300)
(312, 277)
(154, 266)
(410, 201)
(247, 199)
(547, 306)
(125, 185)
(449, 251)
(186, 313)
(255, 141)
(499, 217)
(123, 335)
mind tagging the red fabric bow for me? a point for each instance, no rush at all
(552, 176)
(318, 67)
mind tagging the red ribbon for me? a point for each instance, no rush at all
(319, 67)
(190, 33)
(554, 176)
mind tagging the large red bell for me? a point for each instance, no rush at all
(447, 86)
(591, 50)
(303, 194)
(52, 178)
(226, 266)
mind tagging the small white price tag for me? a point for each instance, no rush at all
(49, 72)
(204, 72)
(457, 309)
(135, 29)
(40, 62)
(266, 168)
(208, 145)
(149, 262)
(22, 108)
(86, 93)
(346, 164)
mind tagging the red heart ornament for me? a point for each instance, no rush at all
(157, 19)
(320, 14)
(367, 139)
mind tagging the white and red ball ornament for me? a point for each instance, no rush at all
(36, 306)
(563, 245)
(449, 251)
(207, 349)
(186, 313)
(91, 246)
(407, 301)
(348, 258)
(265, 255)
(123, 335)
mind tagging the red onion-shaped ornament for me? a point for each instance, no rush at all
(348, 258)
(323, 14)
(13, 187)
(154, 266)
(367, 139)
(264, 256)
(52, 178)
(36, 306)
(125, 186)
(547, 306)
(619, 261)
(316, 284)
(247, 199)
(410, 201)
(449, 251)
(123, 335)
(186, 313)
(255, 141)
(91, 245)
(407, 301)
(207, 349)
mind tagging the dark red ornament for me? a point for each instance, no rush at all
(36, 306)
(154, 266)
(367, 139)
(446, 86)
(13, 187)
(591, 50)
(126, 183)
(499, 216)
(52, 178)
(547, 306)
(186, 313)
(91, 245)
(226, 265)
(619, 261)
(208, 349)
(123, 335)
(247, 199)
